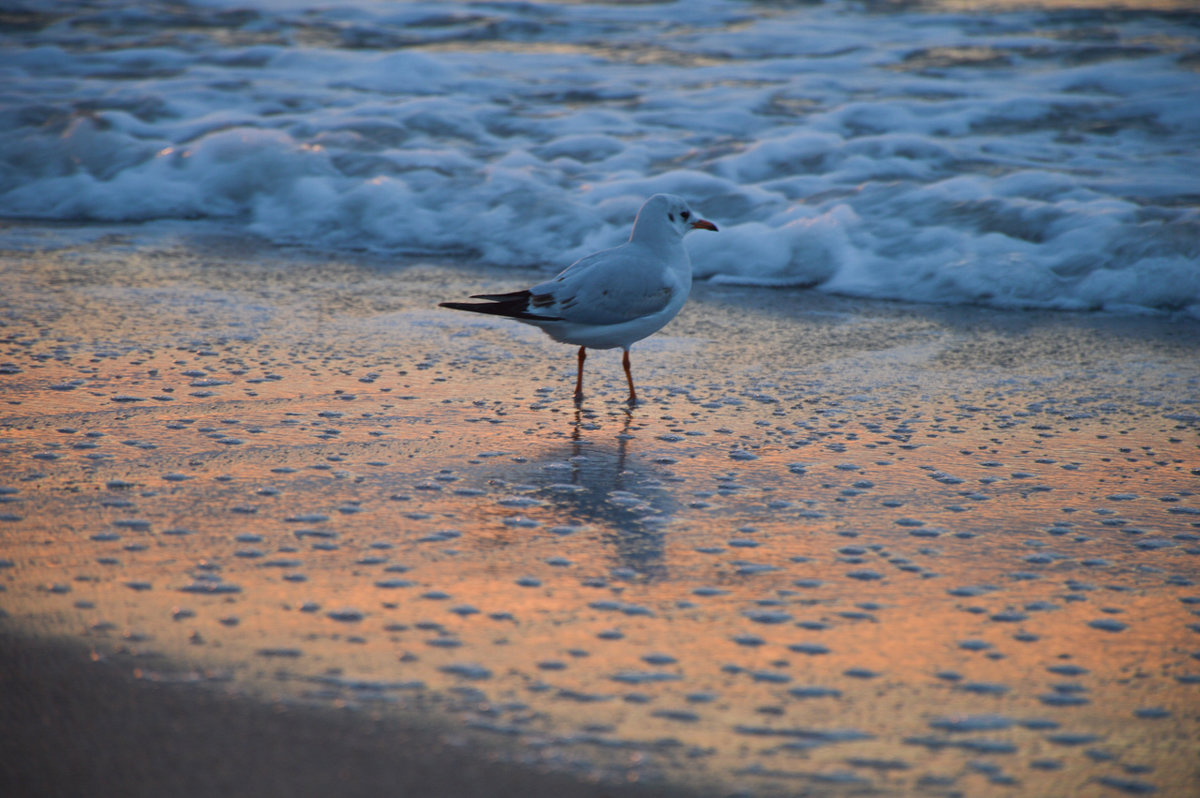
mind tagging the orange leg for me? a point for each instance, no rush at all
(579, 377)
(629, 378)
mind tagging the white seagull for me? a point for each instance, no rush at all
(613, 297)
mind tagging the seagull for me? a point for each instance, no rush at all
(613, 297)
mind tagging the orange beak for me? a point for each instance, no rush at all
(704, 224)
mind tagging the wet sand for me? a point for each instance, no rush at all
(73, 726)
(840, 546)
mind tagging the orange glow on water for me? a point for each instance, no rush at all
(771, 578)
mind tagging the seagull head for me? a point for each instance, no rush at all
(667, 215)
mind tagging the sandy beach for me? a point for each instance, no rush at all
(273, 523)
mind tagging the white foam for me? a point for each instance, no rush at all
(943, 158)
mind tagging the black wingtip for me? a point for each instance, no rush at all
(511, 296)
(512, 309)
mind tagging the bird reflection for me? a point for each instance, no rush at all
(597, 479)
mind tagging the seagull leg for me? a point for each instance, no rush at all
(629, 378)
(579, 377)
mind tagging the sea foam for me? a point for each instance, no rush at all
(1021, 159)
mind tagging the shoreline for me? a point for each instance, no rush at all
(831, 528)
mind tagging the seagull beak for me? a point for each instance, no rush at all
(704, 224)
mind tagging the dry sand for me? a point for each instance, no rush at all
(272, 522)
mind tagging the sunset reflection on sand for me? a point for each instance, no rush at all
(907, 573)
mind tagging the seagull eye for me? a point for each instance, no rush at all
(685, 215)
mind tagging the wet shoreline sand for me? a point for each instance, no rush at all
(75, 726)
(840, 546)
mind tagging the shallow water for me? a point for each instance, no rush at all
(1006, 154)
(839, 546)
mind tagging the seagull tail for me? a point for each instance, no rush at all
(514, 306)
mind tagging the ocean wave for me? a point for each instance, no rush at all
(1027, 159)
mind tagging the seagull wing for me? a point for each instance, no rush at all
(608, 287)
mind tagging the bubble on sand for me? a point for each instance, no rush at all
(280, 653)
(466, 670)
(1131, 786)
(391, 584)
(972, 723)
(1152, 713)
(767, 616)
(865, 575)
(211, 587)
(346, 615)
(813, 691)
(1067, 670)
(1108, 625)
(984, 688)
(656, 658)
